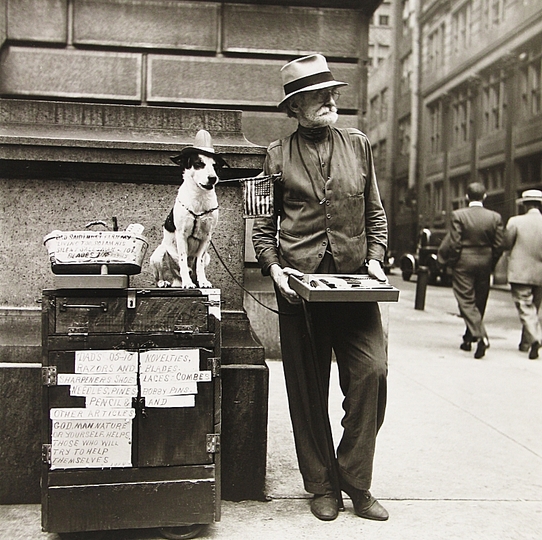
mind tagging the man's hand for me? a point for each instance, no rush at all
(280, 277)
(375, 270)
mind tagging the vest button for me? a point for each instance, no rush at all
(328, 216)
(320, 255)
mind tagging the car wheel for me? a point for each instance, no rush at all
(407, 274)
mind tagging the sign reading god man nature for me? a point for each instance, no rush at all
(100, 434)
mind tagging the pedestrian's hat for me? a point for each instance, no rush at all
(530, 195)
(305, 74)
(203, 144)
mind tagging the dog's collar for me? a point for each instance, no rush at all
(198, 215)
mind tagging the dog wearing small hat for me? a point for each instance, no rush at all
(182, 254)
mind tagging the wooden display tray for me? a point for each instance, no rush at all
(343, 288)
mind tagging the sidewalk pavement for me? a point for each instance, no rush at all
(459, 456)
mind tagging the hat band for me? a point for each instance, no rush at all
(304, 82)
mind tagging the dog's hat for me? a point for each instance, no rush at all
(203, 144)
(534, 195)
(305, 74)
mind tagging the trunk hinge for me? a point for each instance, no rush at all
(48, 375)
(46, 453)
(213, 443)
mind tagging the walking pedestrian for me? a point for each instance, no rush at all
(523, 238)
(331, 221)
(472, 248)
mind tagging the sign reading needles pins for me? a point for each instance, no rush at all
(99, 435)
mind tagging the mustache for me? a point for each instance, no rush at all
(325, 110)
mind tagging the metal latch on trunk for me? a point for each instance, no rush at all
(213, 443)
(213, 364)
(131, 300)
(49, 375)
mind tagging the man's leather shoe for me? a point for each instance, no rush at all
(325, 507)
(365, 505)
(480, 348)
(533, 353)
(466, 346)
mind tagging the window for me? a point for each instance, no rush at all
(458, 186)
(493, 178)
(461, 27)
(435, 122)
(406, 74)
(438, 198)
(435, 48)
(384, 105)
(384, 20)
(531, 83)
(494, 102)
(493, 13)
(404, 136)
(461, 118)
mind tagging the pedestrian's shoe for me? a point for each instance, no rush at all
(466, 346)
(523, 347)
(481, 348)
(533, 353)
(325, 507)
(365, 505)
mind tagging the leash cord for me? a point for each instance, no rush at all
(242, 287)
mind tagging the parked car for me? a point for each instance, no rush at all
(426, 255)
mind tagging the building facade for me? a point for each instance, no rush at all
(467, 108)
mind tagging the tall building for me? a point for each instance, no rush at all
(467, 107)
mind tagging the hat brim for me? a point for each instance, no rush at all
(195, 150)
(319, 86)
(522, 200)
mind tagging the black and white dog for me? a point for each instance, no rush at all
(190, 224)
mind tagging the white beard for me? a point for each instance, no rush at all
(325, 116)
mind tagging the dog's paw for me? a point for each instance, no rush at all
(206, 284)
(162, 284)
(188, 285)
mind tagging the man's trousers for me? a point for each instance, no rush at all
(470, 283)
(527, 299)
(354, 332)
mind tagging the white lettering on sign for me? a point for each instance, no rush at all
(91, 390)
(108, 402)
(166, 389)
(114, 361)
(102, 378)
(60, 413)
(91, 444)
(169, 360)
(171, 401)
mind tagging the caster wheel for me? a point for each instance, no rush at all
(180, 533)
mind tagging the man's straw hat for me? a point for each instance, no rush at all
(305, 74)
(530, 195)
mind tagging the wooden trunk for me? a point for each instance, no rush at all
(131, 408)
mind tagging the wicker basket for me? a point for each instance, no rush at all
(95, 252)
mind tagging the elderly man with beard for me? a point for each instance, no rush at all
(328, 219)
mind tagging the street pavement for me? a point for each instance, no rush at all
(459, 456)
